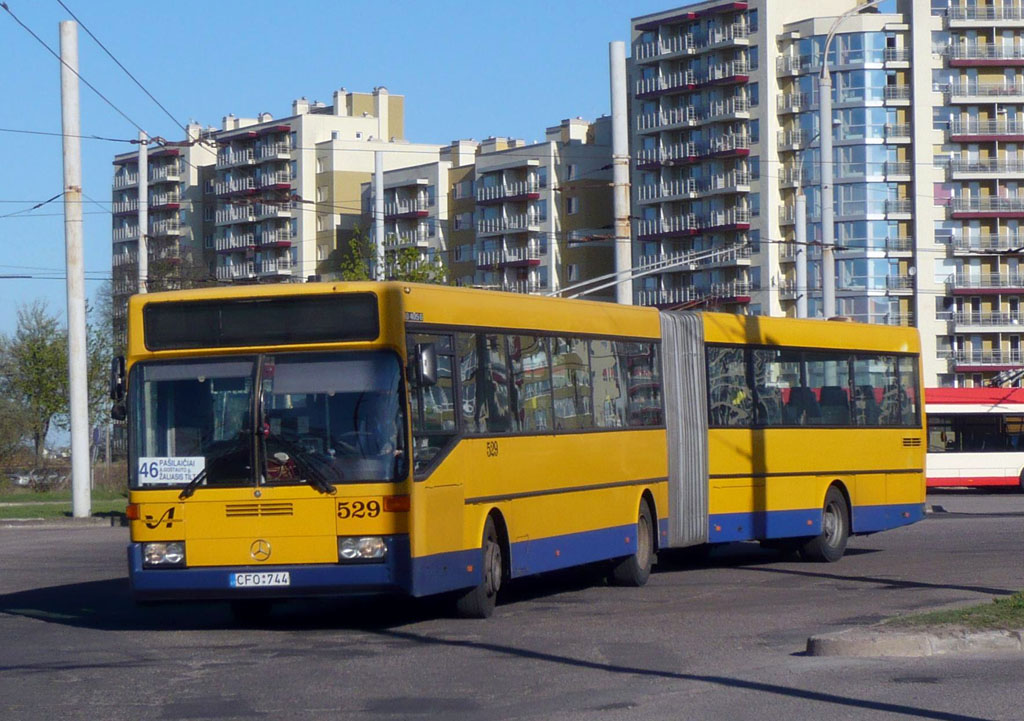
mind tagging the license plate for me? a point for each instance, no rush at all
(260, 580)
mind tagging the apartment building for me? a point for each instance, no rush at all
(507, 215)
(928, 107)
(176, 175)
(258, 200)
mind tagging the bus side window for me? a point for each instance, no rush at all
(432, 407)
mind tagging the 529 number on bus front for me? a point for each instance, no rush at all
(358, 509)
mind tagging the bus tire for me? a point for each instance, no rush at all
(829, 545)
(479, 601)
(634, 570)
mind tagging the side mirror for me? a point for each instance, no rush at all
(118, 412)
(117, 379)
(426, 364)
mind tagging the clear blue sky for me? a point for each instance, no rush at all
(467, 70)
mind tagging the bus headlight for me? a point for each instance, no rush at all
(362, 548)
(165, 554)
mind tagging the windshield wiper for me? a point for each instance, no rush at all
(188, 490)
(313, 468)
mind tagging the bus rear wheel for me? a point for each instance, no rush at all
(636, 569)
(479, 602)
(829, 545)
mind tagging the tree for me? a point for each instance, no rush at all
(406, 264)
(13, 430)
(99, 343)
(33, 371)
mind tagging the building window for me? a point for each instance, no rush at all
(321, 193)
(542, 177)
(572, 206)
(572, 272)
(572, 171)
(295, 169)
(319, 165)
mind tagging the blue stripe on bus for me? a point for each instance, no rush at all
(391, 576)
(868, 519)
(725, 527)
(573, 549)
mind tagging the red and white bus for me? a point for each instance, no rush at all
(975, 437)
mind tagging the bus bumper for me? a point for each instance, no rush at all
(391, 576)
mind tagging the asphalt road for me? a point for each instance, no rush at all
(718, 639)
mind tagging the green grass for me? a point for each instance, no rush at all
(1003, 614)
(100, 507)
(25, 495)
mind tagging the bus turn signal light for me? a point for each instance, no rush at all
(131, 512)
(396, 504)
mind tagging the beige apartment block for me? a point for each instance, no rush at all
(507, 215)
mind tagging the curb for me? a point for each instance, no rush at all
(868, 643)
(90, 522)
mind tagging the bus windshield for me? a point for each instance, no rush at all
(321, 419)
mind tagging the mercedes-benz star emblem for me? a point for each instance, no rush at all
(260, 550)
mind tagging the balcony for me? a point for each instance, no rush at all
(121, 259)
(973, 131)
(975, 17)
(731, 144)
(735, 71)
(976, 92)
(274, 266)
(693, 296)
(792, 140)
(125, 207)
(666, 83)
(238, 271)
(981, 169)
(968, 283)
(276, 238)
(896, 95)
(737, 34)
(992, 322)
(513, 192)
(899, 285)
(968, 360)
(273, 151)
(234, 214)
(273, 210)
(417, 238)
(404, 209)
(680, 261)
(518, 223)
(674, 154)
(899, 207)
(169, 173)
(129, 232)
(897, 132)
(165, 201)
(232, 157)
(166, 228)
(989, 243)
(235, 186)
(723, 220)
(673, 189)
(984, 54)
(235, 242)
(672, 226)
(735, 181)
(644, 53)
(987, 207)
(277, 179)
(521, 286)
(126, 180)
(793, 102)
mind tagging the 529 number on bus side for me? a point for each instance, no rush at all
(358, 509)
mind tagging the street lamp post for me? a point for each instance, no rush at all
(828, 259)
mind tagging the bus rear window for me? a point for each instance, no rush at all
(236, 323)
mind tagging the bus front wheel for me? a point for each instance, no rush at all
(830, 544)
(636, 569)
(479, 601)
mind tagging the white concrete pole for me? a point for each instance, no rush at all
(378, 215)
(143, 244)
(620, 173)
(78, 394)
(828, 230)
(801, 253)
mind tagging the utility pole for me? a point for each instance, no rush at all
(620, 171)
(801, 252)
(143, 244)
(81, 496)
(378, 215)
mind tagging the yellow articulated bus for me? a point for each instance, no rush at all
(353, 438)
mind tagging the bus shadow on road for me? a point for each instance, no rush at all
(107, 606)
